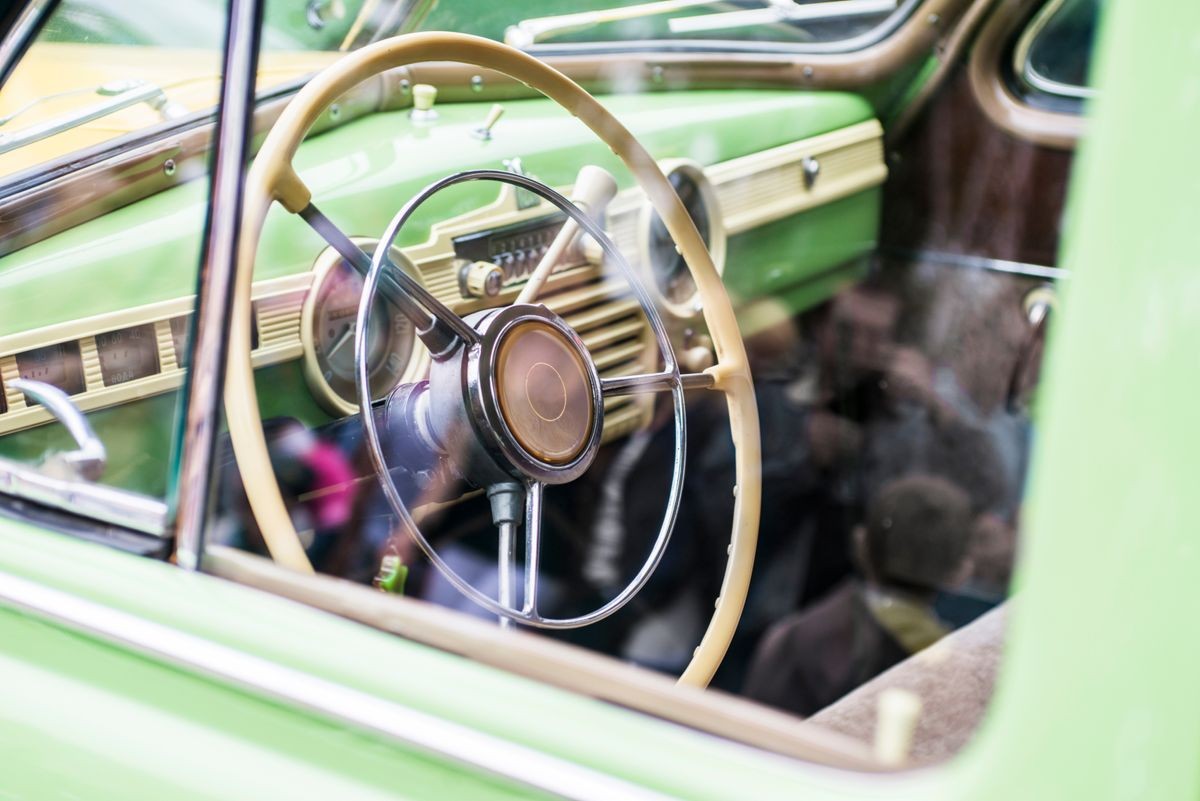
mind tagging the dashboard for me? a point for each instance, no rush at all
(303, 313)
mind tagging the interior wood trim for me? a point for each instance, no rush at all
(947, 55)
(549, 661)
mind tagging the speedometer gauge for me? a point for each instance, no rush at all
(327, 331)
(669, 272)
(127, 354)
(59, 365)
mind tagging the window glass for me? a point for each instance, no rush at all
(1054, 53)
(99, 305)
(893, 315)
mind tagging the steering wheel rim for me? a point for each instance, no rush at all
(272, 178)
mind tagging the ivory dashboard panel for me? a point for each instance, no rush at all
(123, 356)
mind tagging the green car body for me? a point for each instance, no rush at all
(108, 687)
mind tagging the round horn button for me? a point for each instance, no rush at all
(543, 386)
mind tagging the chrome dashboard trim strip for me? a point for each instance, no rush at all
(422, 731)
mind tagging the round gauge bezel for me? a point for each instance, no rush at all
(329, 398)
(689, 308)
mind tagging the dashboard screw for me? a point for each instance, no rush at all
(335, 111)
(476, 83)
(169, 167)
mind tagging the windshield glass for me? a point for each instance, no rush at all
(101, 70)
(501, 431)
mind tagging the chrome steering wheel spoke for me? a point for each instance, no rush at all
(645, 383)
(439, 328)
(534, 491)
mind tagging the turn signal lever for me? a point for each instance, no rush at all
(594, 189)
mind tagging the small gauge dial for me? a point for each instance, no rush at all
(127, 354)
(330, 313)
(58, 365)
(670, 272)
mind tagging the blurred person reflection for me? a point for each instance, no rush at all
(913, 543)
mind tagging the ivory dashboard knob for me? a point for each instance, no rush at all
(696, 359)
(483, 279)
(594, 188)
(424, 96)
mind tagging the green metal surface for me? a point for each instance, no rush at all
(129, 723)
(361, 173)
(86, 720)
(787, 258)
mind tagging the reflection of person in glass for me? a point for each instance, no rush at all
(913, 544)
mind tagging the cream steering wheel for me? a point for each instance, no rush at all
(273, 178)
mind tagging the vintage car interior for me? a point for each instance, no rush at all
(610, 343)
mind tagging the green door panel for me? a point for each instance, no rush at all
(84, 719)
(81, 700)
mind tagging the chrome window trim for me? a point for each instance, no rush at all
(18, 37)
(192, 485)
(854, 44)
(1029, 77)
(432, 735)
(96, 502)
